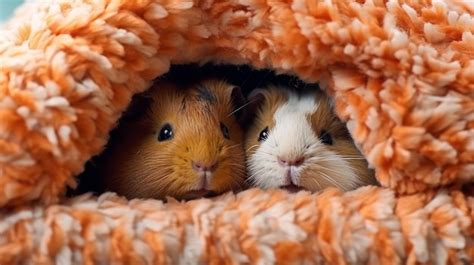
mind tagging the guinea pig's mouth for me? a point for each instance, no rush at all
(292, 188)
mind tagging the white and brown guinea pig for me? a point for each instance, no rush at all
(297, 142)
(187, 143)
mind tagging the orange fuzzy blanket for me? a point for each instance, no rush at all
(402, 75)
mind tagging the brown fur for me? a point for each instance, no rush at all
(138, 165)
(324, 119)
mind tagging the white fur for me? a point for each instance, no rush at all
(292, 137)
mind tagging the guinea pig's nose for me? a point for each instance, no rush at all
(290, 162)
(202, 167)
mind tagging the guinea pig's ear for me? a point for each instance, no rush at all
(257, 95)
(238, 103)
(254, 101)
(238, 98)
(137, 107)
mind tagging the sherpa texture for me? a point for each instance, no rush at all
(402, 75)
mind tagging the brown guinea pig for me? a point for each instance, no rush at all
(297, 142)
(187, 143)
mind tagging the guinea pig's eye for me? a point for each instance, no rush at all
(166, 133)
(263, 135)
(225, 131)
(326, 138)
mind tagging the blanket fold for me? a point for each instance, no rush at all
(369, 225)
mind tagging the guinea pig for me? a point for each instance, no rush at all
(179, 142)
(297, 142)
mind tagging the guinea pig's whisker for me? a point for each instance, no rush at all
(327, 168)
(319, 157)
(152, 169)
(267, 153)
(352, 181)
(234, 183)
(239, 108)
(251, 147)
(237, 171)
(339, 172)
(317, 183)
(258, 171)
(232, 148)
(250, 182)
(158, 177)
(235, 164)
(266, 160)
(331, 180)
(253, 181)
(335, 159)
(253, 176)
(151, 178)
(354, 156)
